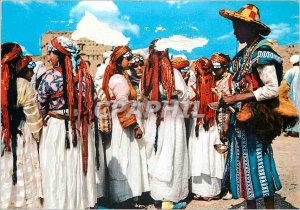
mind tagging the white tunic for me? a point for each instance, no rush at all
(64, 184)
(125, 155)
(28, 189)
(168, 168)
(206, 164)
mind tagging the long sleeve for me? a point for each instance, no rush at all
(267, 74)
(26, 99)
(119, 88)
(184, 92)
(52, 83)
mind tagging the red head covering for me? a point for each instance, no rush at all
(179, 63)
(86, 113)
(158, 69)
(205, 83)
(221, 58)
(111, 68)
(5, 81)
(23, 63)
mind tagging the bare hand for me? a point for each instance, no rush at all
(138, 133)
(228, 100)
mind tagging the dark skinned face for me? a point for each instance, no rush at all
(244, 32)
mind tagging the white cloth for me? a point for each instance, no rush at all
(206, 164)
(64, 184)
(292, 79)
(28, 189)
(125, 155)
(100, 174)
(294, 59)
(39, 71)
(267, 74)
(168, 168)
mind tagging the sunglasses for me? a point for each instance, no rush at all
(128, 55)
(185, 69)
(216, 65)
(136, 59)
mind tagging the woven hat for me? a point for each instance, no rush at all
(248, 13)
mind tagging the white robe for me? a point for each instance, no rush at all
(206, 164)
(168, 168)
(125, 155)
(28, 189)
(64, 184)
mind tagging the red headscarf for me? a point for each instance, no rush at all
(158, 69)
(5, 81)
(86, 115)
(111, 68)
(221, 58)
(205, 83)
(23, 63)
(179, 63)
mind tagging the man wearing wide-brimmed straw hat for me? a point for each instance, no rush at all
(257, 70)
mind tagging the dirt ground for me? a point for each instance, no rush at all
(286, 153)
(287, 157)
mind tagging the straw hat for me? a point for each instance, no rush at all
(248, 13)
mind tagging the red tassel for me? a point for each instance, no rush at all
(85, 144)
(4, 105)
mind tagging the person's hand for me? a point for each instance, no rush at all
(138, 133)
(228, 100)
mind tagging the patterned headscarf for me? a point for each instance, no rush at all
(220, 60)
(76, 72)
(158, 69)
(179, 63)
(111, 68)
(6, 73)
(205, 83)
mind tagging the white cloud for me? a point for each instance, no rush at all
(159, 28)
(146, 28)
(177, 3)
(279, 30)
(25, 51)
(96, 30)
(179, 42)
(180, 56)
(225, 36)
(143, 51)
(25, 2)
(106, 11)
(195, 28)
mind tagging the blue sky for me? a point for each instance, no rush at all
(24, 21)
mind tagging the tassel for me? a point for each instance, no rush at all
(67, 140)
(85, 144)
(97, 144)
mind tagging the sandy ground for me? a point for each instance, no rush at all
(286, 153)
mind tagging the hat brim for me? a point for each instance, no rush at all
(232, 15)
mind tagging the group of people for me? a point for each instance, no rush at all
(68, 140)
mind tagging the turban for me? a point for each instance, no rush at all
(179, 63)
(220, 60)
